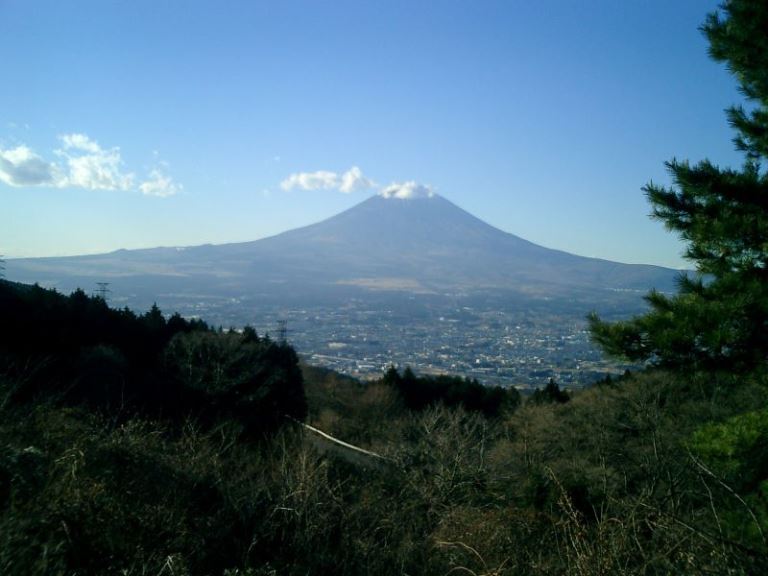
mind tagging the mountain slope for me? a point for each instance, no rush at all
(420, 245)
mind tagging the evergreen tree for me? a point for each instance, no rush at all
(392, 377)
(250, 335)
(719, 319)
(552, 394)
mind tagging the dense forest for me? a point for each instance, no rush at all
(78, 350)
(140, 444)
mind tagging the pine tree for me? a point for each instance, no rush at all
(552, 394)
(392, 377)
(718, 319)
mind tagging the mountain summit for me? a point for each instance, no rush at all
(429, 243)
(421, 243)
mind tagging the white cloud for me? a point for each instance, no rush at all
(159, 184)
(83, 164)
(353, 180)
(407, 190)
(21, 167)
(91, 167)
(350, 181)
(320, 180)
(80, 142)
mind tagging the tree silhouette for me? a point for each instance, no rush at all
(420, 392)
(551, 394)
(89, 353)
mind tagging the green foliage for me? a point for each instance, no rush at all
(741, 42)
(603, 484)
(79, 350)
(75, 340)
(715, 326)
(737, 449)
(420, 392)
(551, 394)
(733, 456)
(718, 320)
(255, 380)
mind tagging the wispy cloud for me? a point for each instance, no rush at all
(159, 184)
(84, 164)
(350, 181)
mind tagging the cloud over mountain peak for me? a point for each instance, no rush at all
(407, 190)
(350, 181)
(353, 180)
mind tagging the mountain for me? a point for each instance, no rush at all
(424, 245)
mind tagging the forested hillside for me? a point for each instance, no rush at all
(652, 474)
(77, 350)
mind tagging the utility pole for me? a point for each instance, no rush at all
(103, 290)
(282, 331)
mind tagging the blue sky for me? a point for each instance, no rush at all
(145, 123)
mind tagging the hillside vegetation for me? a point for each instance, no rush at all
(652, 474)
(78, 350)
(174, 459)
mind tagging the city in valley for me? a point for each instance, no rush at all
(509, 345)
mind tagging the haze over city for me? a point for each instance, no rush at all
(127, 125)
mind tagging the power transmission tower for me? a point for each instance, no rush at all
(282, 331)
(103, 290)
